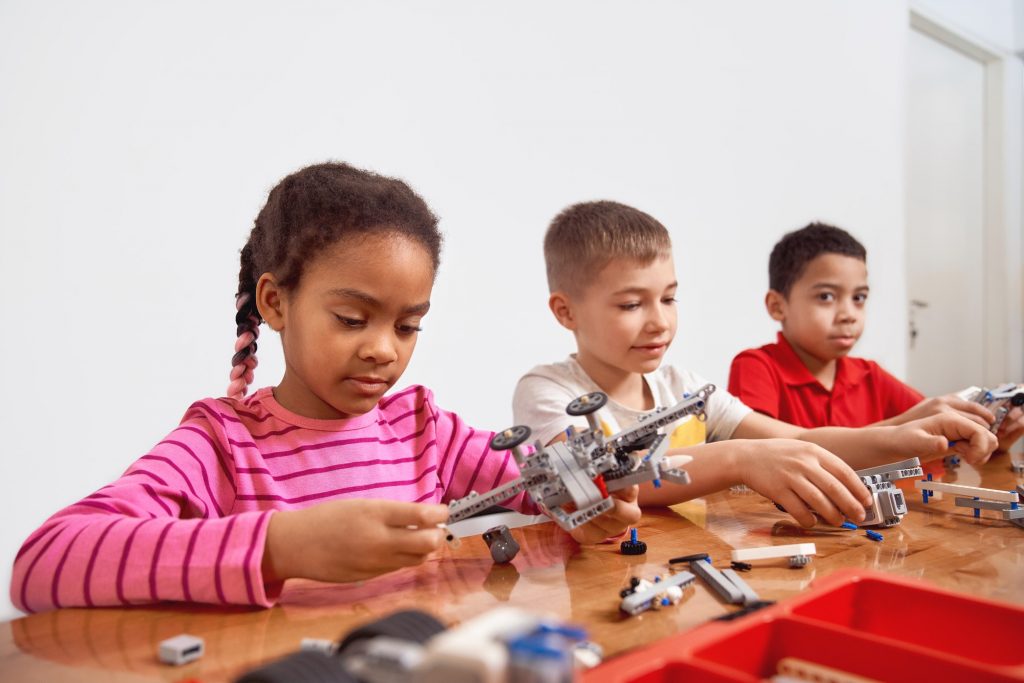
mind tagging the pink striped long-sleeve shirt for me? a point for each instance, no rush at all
(188, 520)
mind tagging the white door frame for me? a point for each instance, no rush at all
(1003, 251)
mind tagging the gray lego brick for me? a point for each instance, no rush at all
(749, 596)
(963, 502)
(718, 582)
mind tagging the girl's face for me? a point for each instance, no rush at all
(349, 328)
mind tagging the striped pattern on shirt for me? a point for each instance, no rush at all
(188, 520)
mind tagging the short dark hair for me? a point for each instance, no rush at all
(585, 237)
(796, 249)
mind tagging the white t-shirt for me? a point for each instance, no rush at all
(543, 393)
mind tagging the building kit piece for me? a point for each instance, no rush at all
(888, 504)
(181, 649)
(503, 547)
(873, 535)
(929, 487)
(632, 546)
(799, 554)
(500, 646)
(643, 595)
(1000, 400)
(570, 480)
(742, 566)
(793, 669)
(721, 585)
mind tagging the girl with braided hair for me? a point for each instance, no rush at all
(322, 476)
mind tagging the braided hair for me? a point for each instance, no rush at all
(305, 213)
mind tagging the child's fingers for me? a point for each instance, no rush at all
(415, 541)
(628, 494)
(817, 501)
(851, 491)
(973, 411)
(848, 502)
(795, 507)
(420, 515)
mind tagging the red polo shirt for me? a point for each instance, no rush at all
(774, 381)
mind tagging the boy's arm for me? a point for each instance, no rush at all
(798, 475)
(926, 438)
(902, 403)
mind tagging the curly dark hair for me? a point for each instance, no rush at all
(307, 212)
(796, 249)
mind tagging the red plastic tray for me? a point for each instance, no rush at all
(862, 622)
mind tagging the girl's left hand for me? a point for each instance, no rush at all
(1011, 430)
(624, 514)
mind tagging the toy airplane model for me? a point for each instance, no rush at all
(584, 468)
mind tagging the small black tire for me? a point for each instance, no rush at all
(510, 438)
(587, 404)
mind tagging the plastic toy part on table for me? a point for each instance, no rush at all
(181, 649)
(888, 505)
(503, 547)
(643, 595)
(570, 480)
(726, 583)
(847, 621)
(799, 554)
(499, 646)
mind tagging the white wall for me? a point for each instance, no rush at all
(138, 141)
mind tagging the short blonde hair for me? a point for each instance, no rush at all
(586, 237)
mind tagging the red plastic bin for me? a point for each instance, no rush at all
(862, 622)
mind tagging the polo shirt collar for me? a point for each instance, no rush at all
(795, 373)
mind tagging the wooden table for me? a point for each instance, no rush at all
(938, 542)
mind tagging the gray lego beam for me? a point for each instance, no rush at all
(725, 588)
(982, 504)
(749, 596)
(893, 471)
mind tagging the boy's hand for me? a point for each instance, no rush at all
(950, 403)
(944, 433)
(350, 540)
(625, 514)
(1011, 430)
(803, 477)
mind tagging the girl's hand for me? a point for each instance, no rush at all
(624, 514)
(803, 478)
(350, 540)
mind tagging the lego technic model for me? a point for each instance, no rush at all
(888, 504)
(1000, 400)
(582, 470)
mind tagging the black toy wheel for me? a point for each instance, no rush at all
(301, 667)
(510, 438)
(587, 404)
(1017, 399)
(412, 625)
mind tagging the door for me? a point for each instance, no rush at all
(945, 217)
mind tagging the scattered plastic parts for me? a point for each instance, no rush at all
(849, 525)
(181, 649)
(643, 595)
(328, 647)
(503, 547)
(632, 546)
(873, 535)
(742, 566)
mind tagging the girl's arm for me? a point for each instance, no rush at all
(163, 531)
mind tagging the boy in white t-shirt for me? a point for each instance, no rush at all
(613, 285)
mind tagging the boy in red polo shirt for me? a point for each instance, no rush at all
(818, 290)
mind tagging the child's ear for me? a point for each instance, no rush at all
(561, 306)
(270, 301)
(775, 304)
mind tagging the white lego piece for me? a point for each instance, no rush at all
(328, 647)
(181, 649)
(648, 594)
(772, 551)
(974, 491)
(476, 649)
(474, 526)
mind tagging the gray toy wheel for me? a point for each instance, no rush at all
(587, 404)
(510, 438)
